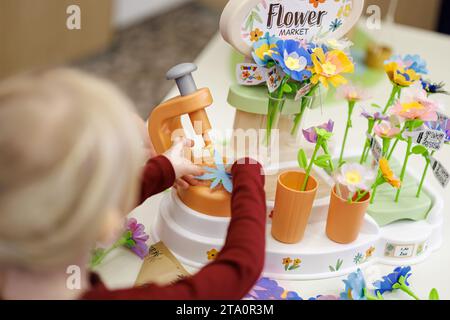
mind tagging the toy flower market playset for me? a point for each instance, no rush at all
(333, 208)
(329, 215)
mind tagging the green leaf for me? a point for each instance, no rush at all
(420, 150)
(257, 17)
(376, 106)
(416, 124)
(332, 269)
(287, 88)
(434, 295)
(302, 159)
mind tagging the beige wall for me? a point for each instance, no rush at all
(34, 34)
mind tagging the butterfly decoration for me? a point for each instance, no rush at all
(217, 175)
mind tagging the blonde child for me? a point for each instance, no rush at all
(72, 164)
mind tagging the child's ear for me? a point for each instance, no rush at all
(111, 227)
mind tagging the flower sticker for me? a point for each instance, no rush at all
(291, 264)
(316, 3)
(212, 254)
(255, 35)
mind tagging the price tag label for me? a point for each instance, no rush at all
(440, 172)
(375, 147)
(250, 74)
(430, 139)
(404, 251)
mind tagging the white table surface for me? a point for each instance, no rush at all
(121, 268)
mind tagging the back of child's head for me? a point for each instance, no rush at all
(69, 152)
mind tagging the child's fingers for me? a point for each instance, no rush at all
(191, 180)
(182, 184)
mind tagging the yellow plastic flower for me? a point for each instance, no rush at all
(297, 262)
(399, 76)
(388, 174)
(329, 67)
(212, 254)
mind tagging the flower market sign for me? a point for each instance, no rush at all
(246, 21)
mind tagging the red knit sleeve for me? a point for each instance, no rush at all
(239, 264)
(158, 175)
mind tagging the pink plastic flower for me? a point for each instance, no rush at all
(386, 130)
(137, 238)
(416, 105)
(353, 93)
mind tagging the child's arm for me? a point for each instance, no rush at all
(239, 264)
(158, 175)
(160, 172)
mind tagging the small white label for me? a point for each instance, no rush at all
(405, 251)
(375, 147)
(274, 77)
(440, 172)
(250, 74)
(431, 139)
(303, 91)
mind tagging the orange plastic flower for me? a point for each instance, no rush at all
(287, 261)
(388, 174)
(315, 3)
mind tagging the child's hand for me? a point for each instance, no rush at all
(185, 170)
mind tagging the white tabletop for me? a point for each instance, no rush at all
(121, 268)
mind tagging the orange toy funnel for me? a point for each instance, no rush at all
(165, 120)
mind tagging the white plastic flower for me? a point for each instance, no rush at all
(355, 177)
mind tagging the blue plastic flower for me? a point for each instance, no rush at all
(433, 87)
(218, 175)
(293, 59)
(355, 286)
(388, 282)
(268, 289)
(414, 62)
(263, 49)
(443, 126)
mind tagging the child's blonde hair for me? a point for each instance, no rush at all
(69, 152)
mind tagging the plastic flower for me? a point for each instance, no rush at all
(377, 116)
(399, 75)
(137, 238)
(311, 133)
(355, 177)
(218, 175)
(433, 87)
(265, 289)
(355, 286)
(388, 174)
(389, 281)
(255, 35)
(443, 126)
(293, 59)
(212, 254)
(413, 62)
(325, 298)
(352, 93)
(386, 130)
(329, 67)
(263, 49)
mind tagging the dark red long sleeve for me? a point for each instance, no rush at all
(239, 264)
(158, 175)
